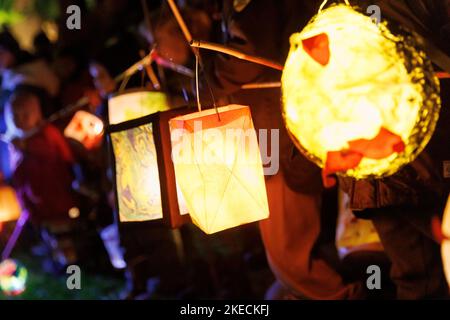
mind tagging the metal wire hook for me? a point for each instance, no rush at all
(347, 2)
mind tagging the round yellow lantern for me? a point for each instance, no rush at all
(358, 100)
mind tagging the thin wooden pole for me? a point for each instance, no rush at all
(147, 60)
(180, 20)
(172, 66)
(187, 34)
(262, 61)
(262, 85)
(236, 54)
(151, 74)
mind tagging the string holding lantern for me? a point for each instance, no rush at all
(145, 185)
(218, 167)
(85, 128)
(357, 99)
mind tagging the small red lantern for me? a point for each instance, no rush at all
(85, 128)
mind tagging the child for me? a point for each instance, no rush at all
(42, 171)
(42, 174)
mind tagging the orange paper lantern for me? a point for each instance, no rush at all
(85, 128)
(218, 167)
(146, 189)
(10, 209)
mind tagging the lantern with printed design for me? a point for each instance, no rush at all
(146, 189)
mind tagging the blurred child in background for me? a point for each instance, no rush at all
(42, 169)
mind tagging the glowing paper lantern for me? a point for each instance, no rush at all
(358, 100)
(218, 167)
(85, 128)
(146, 189)
(135, 104)
(445, 249)
(10, 209)
(13, 278)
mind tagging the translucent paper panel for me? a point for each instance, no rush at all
(137, 175)
(134, 105)
(218, 168)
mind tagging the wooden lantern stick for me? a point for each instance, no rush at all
(199, 62)
(236, 54)
(187, 34)
(160, 61)
(147, 60)
(261, 85)
(150, 73)
(271, 85)
(262, 61)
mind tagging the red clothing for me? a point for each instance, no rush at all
(43, 179)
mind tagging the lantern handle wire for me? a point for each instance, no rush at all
(187, 34)
(235, 53)
(324, 3)
(199, 105)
